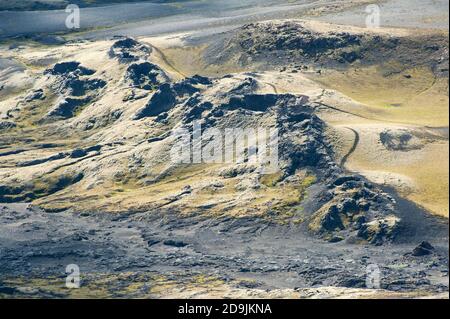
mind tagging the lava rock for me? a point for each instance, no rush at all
(6, 125)
(424, 249)
(175, 243)
(336, 239)
(353, 283)
(77, 153)
(129, 50)
(69, 67)
(400, 140)
(146, 75)
(35, 95)
(66, 107)
(162, 101)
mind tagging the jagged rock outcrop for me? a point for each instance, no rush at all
(355, 209)
(73, 84)
(170, 94)
(162, 101)
(65, 68)
(145, 75)
(292, 42)
(71, 79)
(35, 95)
(67, 107)
(129, 50)
(302, 45)
(293, 36)
(349, 207)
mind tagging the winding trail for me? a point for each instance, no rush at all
(352, 149)
(166, 61)
(343, 111)
(275, 90)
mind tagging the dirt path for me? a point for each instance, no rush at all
(275, 90)
(166, 61)
(352, 149)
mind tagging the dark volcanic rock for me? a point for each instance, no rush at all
(332, 220)
(162, 101)
(42, 160)
(80, 87)
(289, 41)
(425, 248)
(350, 57)
(6, 125)
(67, 107)
(253, 102)
(198, 79)
(77, 153)
(295, 43)
(7, 290)
(69, 67)
(184, 92)
(72, 82)
(35, 95)
(400, 140)
(352, 283)
(247, 86)
(129, 50)
(175, 243)
(146, 75)
(292, 36)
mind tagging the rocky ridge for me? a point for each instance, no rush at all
(302, 46)
(347, 207)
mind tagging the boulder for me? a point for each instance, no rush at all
(424, 249)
